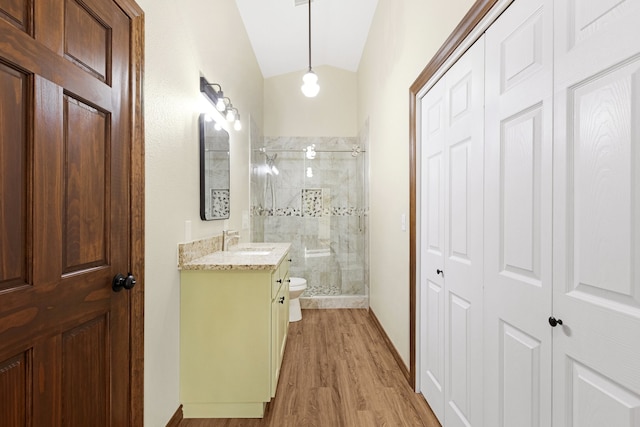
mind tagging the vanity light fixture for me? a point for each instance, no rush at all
(231, 113)
(310, 87)
(222, 103)
(214, 94)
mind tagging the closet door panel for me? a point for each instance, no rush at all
(463, 263)
(518, 216)
(597, 214)
(432, 302)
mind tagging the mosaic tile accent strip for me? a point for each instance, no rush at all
(219, 203)
(290, 211)
(312, 202)
(287, 212)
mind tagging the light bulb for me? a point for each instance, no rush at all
(310, 87)
(310, 77)
(231, 115)
(237, 125)
(220, 105)
(217, 126)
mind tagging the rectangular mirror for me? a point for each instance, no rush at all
(214, 171)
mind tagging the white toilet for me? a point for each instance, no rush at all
(296, 288)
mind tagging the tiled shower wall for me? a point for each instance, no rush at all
(319, 205)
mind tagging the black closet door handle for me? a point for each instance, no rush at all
(554, 322)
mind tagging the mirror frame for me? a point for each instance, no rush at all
(205, 191)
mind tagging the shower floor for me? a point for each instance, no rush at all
(322, 290)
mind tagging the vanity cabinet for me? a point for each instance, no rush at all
(233, 330)
(279, 321)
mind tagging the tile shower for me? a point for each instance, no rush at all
(312, 192)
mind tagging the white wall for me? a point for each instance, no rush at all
(333, 112)
(403, 38)
(186, 38)
(183, 40)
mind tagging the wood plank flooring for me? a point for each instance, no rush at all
(337, 372)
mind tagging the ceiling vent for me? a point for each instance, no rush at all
(302, 2)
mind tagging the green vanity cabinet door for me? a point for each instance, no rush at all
(279, 322)
(226, 341)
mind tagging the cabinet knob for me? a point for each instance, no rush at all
(281, 300)
(279, 280)
(441, 272)
(290, 260)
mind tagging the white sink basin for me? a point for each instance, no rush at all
(250, 252)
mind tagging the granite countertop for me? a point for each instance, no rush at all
(245, 256)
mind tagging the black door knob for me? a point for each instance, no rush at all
(554, 322)
(438, 271)
(121, 282)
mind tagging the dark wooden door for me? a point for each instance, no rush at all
(65, 212)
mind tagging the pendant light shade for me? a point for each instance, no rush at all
(310, 87)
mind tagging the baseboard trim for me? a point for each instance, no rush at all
(177, 418)
(392, 348)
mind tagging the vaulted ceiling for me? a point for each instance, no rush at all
(278, 31)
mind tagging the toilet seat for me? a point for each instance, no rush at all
(297, 283)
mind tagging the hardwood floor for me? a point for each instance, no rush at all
(337, 372)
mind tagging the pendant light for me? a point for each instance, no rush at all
(310, 87)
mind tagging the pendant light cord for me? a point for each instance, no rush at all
(309, 35)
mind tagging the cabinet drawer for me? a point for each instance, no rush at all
(276, 283)
(280, 275)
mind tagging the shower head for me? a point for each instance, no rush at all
(271, 163)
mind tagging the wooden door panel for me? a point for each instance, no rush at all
(87, 39)
(15, 389)
(86, 210)
(18, 13)
(14, 178)
(85, 374)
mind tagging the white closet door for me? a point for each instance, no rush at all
(452, 134)
(596, 276)
(432, 244)
(463, 261)
(518, 216)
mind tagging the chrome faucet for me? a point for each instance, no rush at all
(227, 235)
